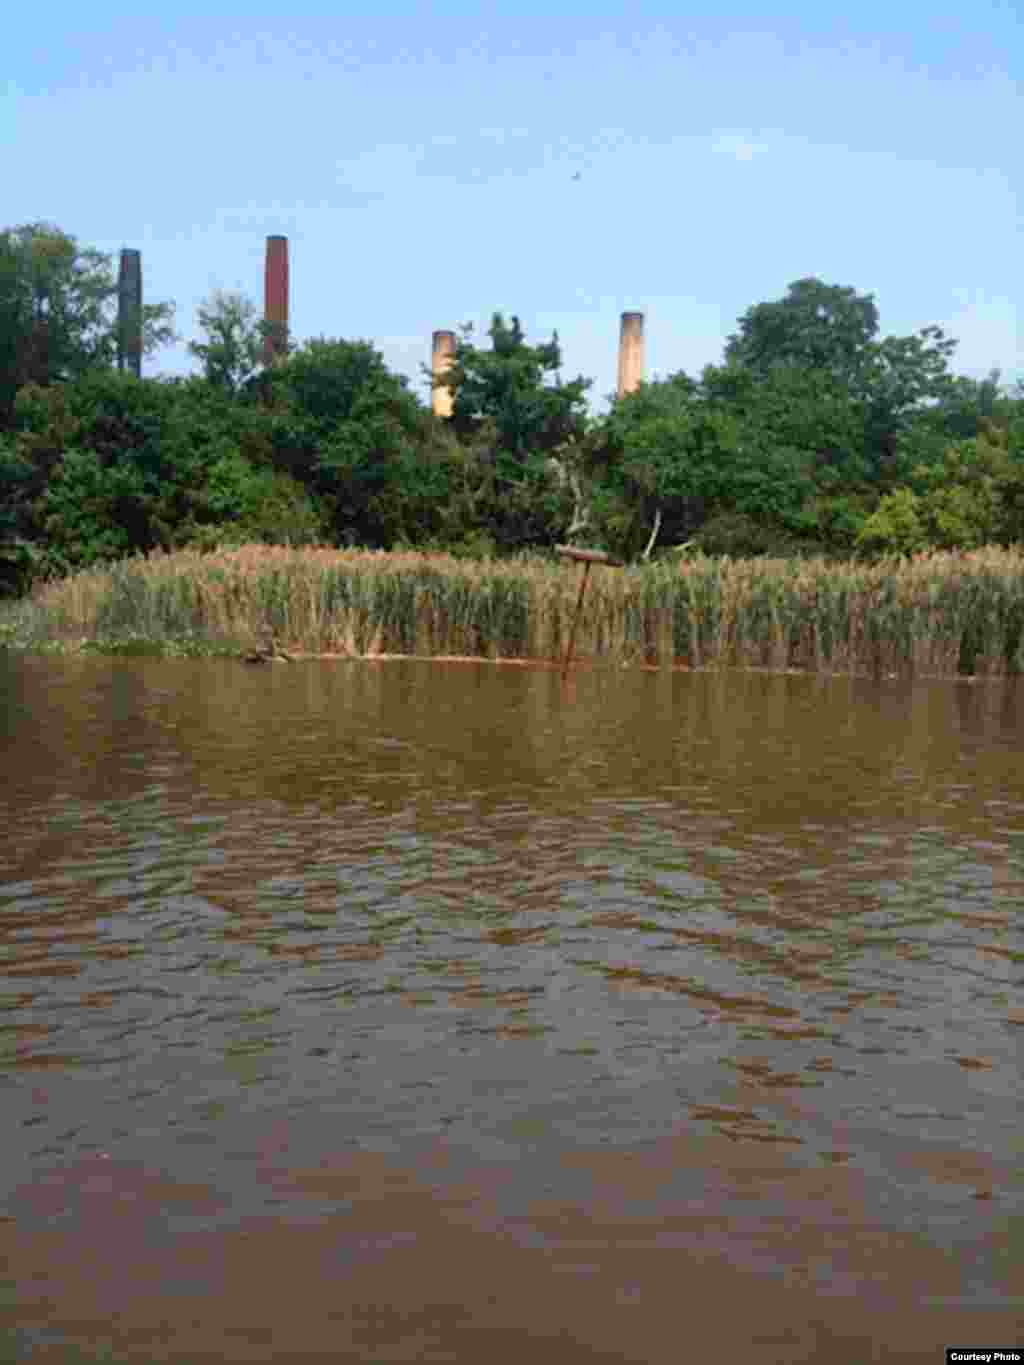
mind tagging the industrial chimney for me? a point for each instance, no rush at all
(441, 359)
(275, 300)
(631, 354)
(129, 312)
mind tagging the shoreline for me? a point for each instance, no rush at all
(579, 664)
(593, 666)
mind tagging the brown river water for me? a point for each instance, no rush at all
(409, 1011)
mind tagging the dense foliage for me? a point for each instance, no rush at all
(814, 436)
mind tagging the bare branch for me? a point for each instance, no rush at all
(654, 535)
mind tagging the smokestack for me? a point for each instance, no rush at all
(631, 354)
(441, 359)
(275, 300)
(129, 312)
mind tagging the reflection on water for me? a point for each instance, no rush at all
(732, 960)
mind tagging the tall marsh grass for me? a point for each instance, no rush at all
(938, 614)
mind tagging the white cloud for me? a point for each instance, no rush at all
(736, 145)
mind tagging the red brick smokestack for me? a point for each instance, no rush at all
(275, 299)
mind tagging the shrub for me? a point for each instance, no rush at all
(895, 527)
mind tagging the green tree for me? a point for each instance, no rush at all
(242, 504)
(106, 467)
(900, 376)
(679, 453)
(895, 527)
(523, 427)
(795, 407)
(973, 497)
(90, 511)
(519, 387)
(832, 330)
(18, 557)
(111, 464)
(646, 465)
(815, 326)
(232, 352)
(58, 311)
(356, 436)
(963, 410)
(976, 495)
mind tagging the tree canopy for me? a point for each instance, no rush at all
(516, 415)
(231, 354)
(520, 389)
(816, 434)
(58, 316)
(816, 326)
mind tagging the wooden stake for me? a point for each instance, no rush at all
(575, 621)
(586, 558)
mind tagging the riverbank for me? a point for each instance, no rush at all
(941, 615)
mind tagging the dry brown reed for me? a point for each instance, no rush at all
(940, 614)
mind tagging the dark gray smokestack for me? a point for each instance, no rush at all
(129, 313)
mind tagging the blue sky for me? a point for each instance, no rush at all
(422, 162)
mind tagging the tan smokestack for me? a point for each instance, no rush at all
(275, 300)
(441, 360)
(631, 353)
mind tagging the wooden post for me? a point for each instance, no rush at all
(575, 621)
(586, 558)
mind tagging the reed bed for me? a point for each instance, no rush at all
(937, 615)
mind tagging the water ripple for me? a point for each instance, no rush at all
(647, 901)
